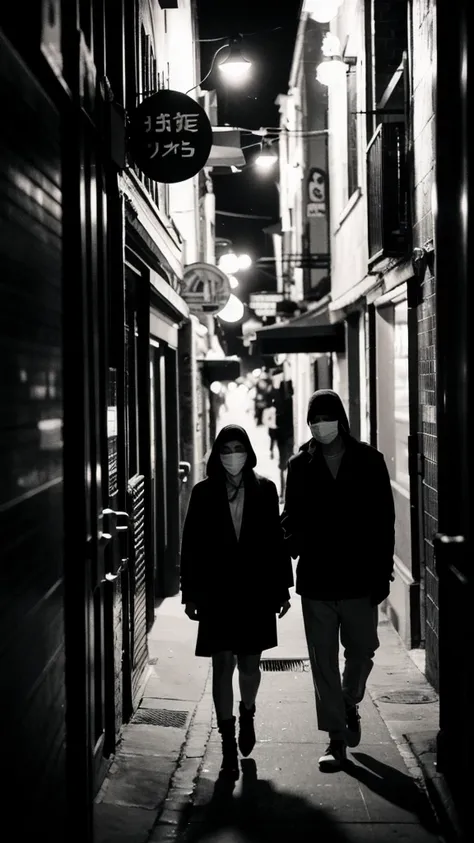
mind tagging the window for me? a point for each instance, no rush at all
(401, 393)
(393, 389)
(352, 152)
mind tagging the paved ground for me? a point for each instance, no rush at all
(162, 783)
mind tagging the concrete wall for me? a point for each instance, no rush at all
(181, 61)
(302, 373)
(349, 251)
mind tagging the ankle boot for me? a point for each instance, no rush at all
(230, 759)
(246, 729)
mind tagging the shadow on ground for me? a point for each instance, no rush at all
(260, 814)
(392, 786)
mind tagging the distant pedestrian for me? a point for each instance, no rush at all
(339, 520)
(235, 576)
(269, 421)
(282, 400)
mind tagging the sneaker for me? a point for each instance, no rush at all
(334, 757)
(353, 725)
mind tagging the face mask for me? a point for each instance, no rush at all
(325, 432)
(233, 463)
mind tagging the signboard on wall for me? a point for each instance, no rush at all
(316, 205)
(206, 289)
(169, 137)
(265, 304)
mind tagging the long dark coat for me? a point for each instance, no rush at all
(341, 529)
(238, 585)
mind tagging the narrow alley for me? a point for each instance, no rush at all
(234, 241)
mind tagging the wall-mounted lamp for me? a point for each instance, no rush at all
(235, 67)
(333, 67)
(322, 11)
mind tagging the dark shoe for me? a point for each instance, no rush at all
(353, 725)
(230, 758)
(334, 757)
(246, 729)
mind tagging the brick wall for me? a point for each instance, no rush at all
(423, 142)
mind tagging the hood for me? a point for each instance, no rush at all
(327, 402)
(230, 431)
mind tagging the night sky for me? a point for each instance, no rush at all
(250, 106)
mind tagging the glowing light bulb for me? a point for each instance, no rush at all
(233, 310)
(229, 263)
(245, 261)
(235, 67)
(322, 11)
(266, 160)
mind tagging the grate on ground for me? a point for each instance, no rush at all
(287, 665)
(408, 697)
(160, 717)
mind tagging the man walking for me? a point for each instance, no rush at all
(339, 520)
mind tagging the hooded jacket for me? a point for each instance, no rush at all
(341, 529)
(215, 565)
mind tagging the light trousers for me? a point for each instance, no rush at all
(355, 621)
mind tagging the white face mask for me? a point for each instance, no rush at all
(233, 463)
(325, 432)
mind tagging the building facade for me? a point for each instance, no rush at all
(99, 342)
(380, 115)
(394, 72)
(374, 109)
(302, 248)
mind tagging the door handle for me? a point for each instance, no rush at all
(184, 471)
(110, 518)
(113, 577)
(118, 513)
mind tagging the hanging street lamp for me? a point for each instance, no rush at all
(235, 68)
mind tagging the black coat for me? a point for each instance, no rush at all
(342, 529)
(237, 585)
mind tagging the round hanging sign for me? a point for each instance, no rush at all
(205, 288)
(169, 137)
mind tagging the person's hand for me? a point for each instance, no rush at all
(191, 611)
(284, 608)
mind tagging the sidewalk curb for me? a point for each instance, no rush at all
(416, 746)
(179, 798)
(439, 794)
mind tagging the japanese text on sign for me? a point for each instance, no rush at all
(163, 123)
(187, 151)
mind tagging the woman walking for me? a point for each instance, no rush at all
(235, 576)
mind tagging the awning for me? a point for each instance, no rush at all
(311, 331)
(226, 148)
(221, 369)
